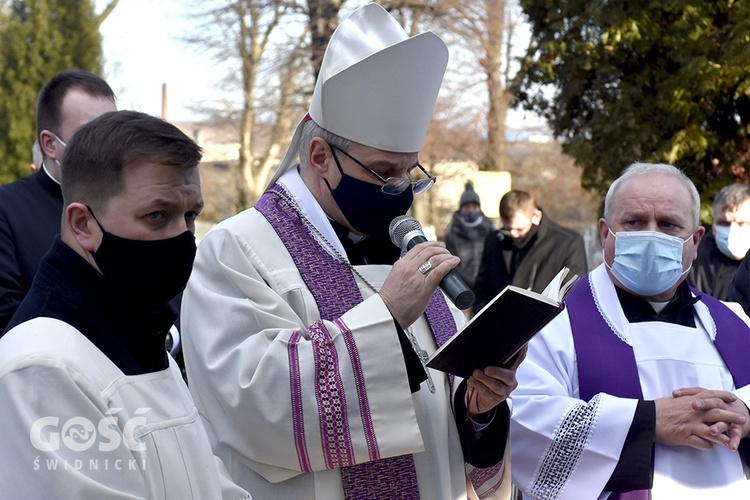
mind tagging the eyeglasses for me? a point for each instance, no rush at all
(391, 185)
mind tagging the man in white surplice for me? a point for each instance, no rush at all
(93, 407)
(637, 390)
(304, 326)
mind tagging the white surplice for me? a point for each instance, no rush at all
(566, 448)
(76, 427)
(247, 312)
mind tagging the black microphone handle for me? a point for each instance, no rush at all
(452, 284)
(456, 290)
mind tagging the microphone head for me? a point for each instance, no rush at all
(400, 227)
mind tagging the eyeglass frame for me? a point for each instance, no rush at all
(428, 182)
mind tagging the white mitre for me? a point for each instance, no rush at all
(377, 86)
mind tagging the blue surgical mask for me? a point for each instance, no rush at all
(647, 262)
(733, 241)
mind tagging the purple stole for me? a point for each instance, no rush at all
(335, 291)
(607, 364)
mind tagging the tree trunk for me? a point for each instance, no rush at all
(247, 47)
(498, 99)
(324, 17)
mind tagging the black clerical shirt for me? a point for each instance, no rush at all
(679, 310)
(68, 288)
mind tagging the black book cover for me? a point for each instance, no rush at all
(497, 332)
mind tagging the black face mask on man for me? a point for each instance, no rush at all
(367, 208)
(149, 272)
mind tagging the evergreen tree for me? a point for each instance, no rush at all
(664, 81)
(38, 39)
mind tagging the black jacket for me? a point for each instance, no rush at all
(548, 251)
(739, 290)
(30, 216)
(712, 271)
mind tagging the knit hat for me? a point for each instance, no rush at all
(469, 196)
(377, 86)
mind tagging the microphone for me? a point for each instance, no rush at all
(406, 232)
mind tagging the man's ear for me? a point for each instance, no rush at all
(317, 155)
(536, 217)
(603, 230)
(83, 226)
(47, 143)
(697, 235)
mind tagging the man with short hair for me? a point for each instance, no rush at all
(305, 334)
(639, 388)
(93, 407)
(528, 251)
(722, 251)
(31, 207)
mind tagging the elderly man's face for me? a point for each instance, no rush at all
(157, 202)
(653, 203)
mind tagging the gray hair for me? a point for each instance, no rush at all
(639, 169)
(310, 130)
(730, 197)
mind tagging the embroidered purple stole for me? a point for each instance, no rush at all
(607, 364)
(335, 291)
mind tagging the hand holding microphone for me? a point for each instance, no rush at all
(406, 232)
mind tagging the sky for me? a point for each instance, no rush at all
(143, 50)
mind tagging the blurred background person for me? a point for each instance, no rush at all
(528, 251)
(721, 252)
(36, 158)
(466, 234)
(31, 207)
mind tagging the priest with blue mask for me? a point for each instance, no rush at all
(306, 331)
(639, 389)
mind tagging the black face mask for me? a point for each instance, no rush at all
(367, 208)
(524, 240)
(148, 272)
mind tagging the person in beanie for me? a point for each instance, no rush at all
(465, 237)
(306, 330)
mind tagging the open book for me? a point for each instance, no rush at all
(497, 332)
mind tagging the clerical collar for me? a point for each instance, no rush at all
(679, 310)
(361, 250)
